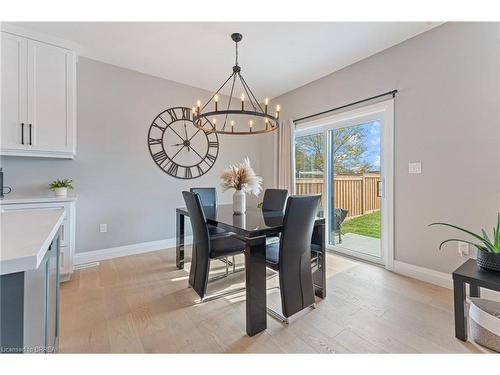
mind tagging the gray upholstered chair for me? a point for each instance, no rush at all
(274, 200)
(339, 215)
(291, 256)
(206, 247)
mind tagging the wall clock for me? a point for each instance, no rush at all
(178, 147)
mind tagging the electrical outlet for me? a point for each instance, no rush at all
(415, 167)
(463, 248)
(103, 228)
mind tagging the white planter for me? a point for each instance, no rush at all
(61, 192)
(239, 202)
(485, 322)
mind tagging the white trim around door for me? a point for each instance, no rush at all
(383, 111)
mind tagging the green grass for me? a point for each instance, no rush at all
(366, 225)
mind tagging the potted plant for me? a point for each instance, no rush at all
(242, 178)
(488, 255)
(60, 187)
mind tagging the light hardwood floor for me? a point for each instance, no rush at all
(141, 303)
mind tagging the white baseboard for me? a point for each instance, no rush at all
(437, 278)
(424, 274)
(121, 251)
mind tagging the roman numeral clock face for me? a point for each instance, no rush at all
(178, 147)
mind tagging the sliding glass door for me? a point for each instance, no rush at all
(354, 171)
(310, 163)
(347, 158)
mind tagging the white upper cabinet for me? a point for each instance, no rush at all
(38, 99)
(14, 92)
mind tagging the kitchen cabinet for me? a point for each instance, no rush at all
(29, 281)
(38, 98)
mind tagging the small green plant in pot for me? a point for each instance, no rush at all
(60, 187)
(488, 254)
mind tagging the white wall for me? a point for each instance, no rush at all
(115, 177)
(446, 115)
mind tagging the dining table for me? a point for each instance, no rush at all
(252, 228)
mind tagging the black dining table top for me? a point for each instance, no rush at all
(255, 221)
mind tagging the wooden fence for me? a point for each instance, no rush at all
(356, 193)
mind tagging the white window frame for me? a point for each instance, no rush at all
(384, 111)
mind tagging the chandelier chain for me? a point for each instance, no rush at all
(229, 102)
(249, 89)
(220, 88)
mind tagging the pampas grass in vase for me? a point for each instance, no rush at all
(242, 178)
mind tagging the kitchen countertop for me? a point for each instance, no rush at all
(43, 197)
(26, 237)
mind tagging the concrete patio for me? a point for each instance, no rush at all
(361, 244)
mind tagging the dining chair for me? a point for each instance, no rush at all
(208, 197)
(206, 247)
(274, 200)
(339, 215)
(291, 257)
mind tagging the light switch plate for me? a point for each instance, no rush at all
(415, 167)
(103, 228)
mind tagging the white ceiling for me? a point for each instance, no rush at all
(275, 57)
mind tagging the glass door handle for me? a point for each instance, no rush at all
(380, 188)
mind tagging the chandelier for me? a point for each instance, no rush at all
(247, 118)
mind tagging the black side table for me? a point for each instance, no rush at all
(471, 274)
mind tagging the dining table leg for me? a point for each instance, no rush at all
(179, 240)
(255, 282)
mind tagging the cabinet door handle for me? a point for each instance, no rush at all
(30, 136)
(22, 133)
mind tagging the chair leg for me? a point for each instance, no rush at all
(340, 238)
(234, 265)
(277, 315)
(215, 296)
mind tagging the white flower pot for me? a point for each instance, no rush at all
(61, 192)
(239, 202)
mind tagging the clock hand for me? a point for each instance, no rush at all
(178, 144)
(185, 131)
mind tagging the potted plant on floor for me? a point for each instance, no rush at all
(242, 178)
(60, 187)
(488, 255)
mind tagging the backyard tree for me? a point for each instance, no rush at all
(349, 145)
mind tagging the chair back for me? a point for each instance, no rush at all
(274, 199)
(208, 196)
(295, 253)
(339, 215)
(198, 274)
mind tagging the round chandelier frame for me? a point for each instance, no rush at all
(202, 120)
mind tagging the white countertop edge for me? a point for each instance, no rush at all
(31, 262)
(36, 199)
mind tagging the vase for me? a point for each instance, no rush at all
(239, 202)
(61, 192)
(488, 261)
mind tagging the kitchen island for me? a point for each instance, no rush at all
(29, 280)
